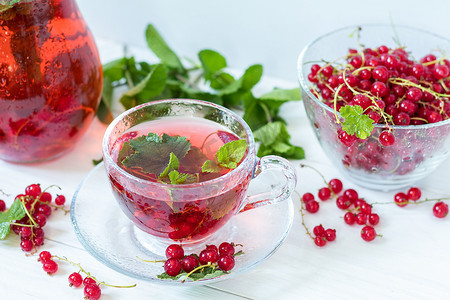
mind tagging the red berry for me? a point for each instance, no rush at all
(40, 219)
(335, 185)
(50, 267)
(368, 233)
(212, 247)
(33, 190)
(312, 206)
(379, 89)
(45, 256)
(172, 266)
(351, 195)
(319, 230)
(440, 210)
(44, 209)
(26, 245)
(60, 200)
(342, 202)
(226, 262)
(373, 219)
(330, 234)
(89, 280)
(307, 197)
(380, 73)
(92, 292)
(2, 205)
(414, 94)
(25, 233)
(207, 256)
(361, 219)
(174, 251)
(440, 71)
(349, 218)
(401, 199)
(414, 194)
(189, 263)
(365, 208)
(45, 197)
(226, 248)
(386, 138)
(324, 194)
(75, 279)
(38, 240)
(320, 241)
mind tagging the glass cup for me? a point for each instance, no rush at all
(190, 213)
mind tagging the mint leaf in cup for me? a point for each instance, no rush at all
(227, 157)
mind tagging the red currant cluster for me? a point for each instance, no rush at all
(440, 209)
(221, 258)
(358, 211)
(38, 205)
(92, 289)
(389, 86)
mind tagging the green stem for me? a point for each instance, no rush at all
(150, 261)
(28, 214)
(88, 274)
(195, 270)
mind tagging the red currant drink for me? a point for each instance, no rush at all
(163, 211)
(50, 79)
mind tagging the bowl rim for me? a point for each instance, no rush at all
(306, 89)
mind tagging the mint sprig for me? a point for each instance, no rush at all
(356, 122)
(14, 213)
(206, 80)
(227, 157)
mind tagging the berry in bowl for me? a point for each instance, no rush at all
(379, 106)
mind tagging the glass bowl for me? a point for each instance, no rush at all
(418, 149)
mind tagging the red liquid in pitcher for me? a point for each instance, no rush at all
(186, 221)
(50, 79)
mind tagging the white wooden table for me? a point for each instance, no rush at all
(410, 261)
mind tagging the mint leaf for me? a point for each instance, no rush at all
(251, 77)
(230, 154)
(151, 86)
(174, 164)
(284, 95)
(5, 5)
(210, 167)
(275, 140)
(204, 273)
(192, 162)
(14, 213)
(355, 122)
(152, 153)
(221, 80)
(176, 177)
(157, 44)
(212, 62)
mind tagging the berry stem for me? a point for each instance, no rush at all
(150, 261)
(28, 214)
(414, 202)
(303, 218)
(88, 274)
(196, 269)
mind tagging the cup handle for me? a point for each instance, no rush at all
(275, 176)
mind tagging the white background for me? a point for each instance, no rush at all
(246, 32)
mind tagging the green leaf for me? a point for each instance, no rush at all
(14, 213)
(192, 162)
(157, 44)
(221, 80)
(256, 114)
(152, 153)
(355, 122)
(5, 228)
(5, 5)
(282, 95)
(275, 140)
(212, 62)
(152, 85)
(173, 164)
(251, 77)
(230, 154)
(114, 70)
(204, 273)
(210, 166)
(176, 177)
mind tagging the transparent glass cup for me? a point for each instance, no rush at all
(190, 213)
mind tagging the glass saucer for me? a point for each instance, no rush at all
(107, 234)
